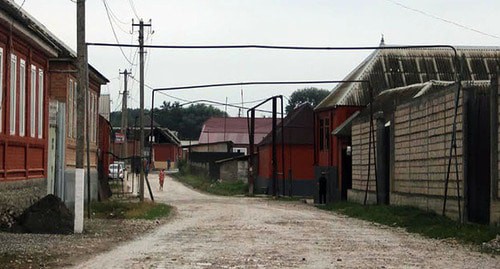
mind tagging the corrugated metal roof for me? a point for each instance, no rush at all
(392, 68)
(233, 129)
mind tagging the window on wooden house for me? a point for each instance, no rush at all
(327, 134)
(1, 88)
(70, 108)
(33, 101)
(74, 108)
(13, 93)
(94, 118)
(40, 103)
(22, 97)
(321, 134)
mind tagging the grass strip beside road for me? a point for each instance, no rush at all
(130, 210)
(204, 184)
(415, 220)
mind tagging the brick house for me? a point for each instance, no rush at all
(414, 133)
(63, 91)
(384, 69)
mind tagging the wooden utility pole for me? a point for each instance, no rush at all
(141, 26)
(124, 153)
(80, 123)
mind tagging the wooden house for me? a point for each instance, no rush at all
(37, 119)
(24, 61)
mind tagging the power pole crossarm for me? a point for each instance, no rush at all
(124, 127)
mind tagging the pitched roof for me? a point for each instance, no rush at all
(388, 100)
(37, 28)
(233, 129)
(298, 126)
(392, 68)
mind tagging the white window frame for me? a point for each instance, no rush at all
(70, 108)
(91, 116)
(75, 85)
(33, 78)
(94, 118)
(13, 94)
(1, 89)
(40, 103)
(22, 97)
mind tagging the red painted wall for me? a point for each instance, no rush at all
(336, 116)
(22, 157)
(104, 144)
(164, 152)
(297, 157)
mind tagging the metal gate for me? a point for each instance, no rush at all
(478, 155)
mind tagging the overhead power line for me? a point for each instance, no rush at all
(131, 2)
(114, 32)
(443, 19)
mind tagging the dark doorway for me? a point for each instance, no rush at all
(478, 156)
(346, 173)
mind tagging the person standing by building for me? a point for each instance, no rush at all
(322, 188)
(161, 177)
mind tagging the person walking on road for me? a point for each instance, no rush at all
(322, 188)
(161, 177)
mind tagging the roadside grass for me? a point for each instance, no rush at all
(417, 221)
(202, 183)
(130, 210)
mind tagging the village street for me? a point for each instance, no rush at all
(221, 232)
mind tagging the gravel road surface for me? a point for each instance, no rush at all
(231, 232)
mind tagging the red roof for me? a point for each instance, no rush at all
(233, 129)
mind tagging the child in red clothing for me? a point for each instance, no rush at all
(162, 178)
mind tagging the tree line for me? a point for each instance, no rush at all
(188, 121)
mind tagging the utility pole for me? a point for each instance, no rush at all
(141, 26)
(124, 153)
(80, 124)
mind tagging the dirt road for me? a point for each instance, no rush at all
(220, 232)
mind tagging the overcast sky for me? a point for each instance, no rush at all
(269, 22)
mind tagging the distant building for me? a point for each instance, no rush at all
(234, 130)
(105, 106)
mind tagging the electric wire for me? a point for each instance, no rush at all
(131, 2)
(442, 19)
(114, 32)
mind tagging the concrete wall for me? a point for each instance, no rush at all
(20, 194)
(216, 147)
(69, 194)
(234, 170)
(299, 187)
(360, 159)
(421, 138)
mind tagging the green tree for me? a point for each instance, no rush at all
(187, 121)
(311, 95)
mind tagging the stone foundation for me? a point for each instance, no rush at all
(19, 195)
